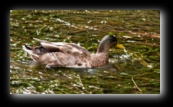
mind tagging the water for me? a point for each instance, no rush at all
(133, 70)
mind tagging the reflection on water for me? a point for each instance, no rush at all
(137, 30)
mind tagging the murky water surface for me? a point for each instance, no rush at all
(133, 70)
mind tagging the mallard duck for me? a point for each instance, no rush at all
(61, 54)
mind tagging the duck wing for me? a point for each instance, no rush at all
(63, 47)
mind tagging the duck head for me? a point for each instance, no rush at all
(107, 42)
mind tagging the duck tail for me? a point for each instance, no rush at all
(29, 50)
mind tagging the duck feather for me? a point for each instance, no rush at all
(61, 54)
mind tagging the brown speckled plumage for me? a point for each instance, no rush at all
(60, 54)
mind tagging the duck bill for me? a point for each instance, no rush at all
(120, 46)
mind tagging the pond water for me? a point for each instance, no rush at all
(132, 70)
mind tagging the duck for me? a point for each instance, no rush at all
(63, 54)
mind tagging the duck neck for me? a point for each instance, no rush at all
(103, 48)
